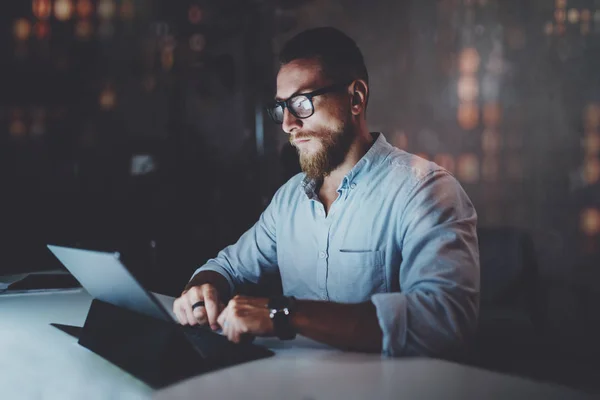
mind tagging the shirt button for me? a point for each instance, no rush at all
(352, 185)
(322, 254)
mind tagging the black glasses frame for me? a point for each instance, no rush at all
(309, 96)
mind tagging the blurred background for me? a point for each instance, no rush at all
(138, 126)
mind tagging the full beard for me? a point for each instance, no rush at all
(335, 145)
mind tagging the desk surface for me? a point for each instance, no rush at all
(39, 361)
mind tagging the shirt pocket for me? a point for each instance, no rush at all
(356, 275)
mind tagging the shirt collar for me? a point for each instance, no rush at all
(378, 151)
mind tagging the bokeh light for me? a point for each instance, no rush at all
(490, 141)
(467, 168)
(127, 10)
(17, 128)
(106, 9)
(573, 16)
(167, 59)
(592, 116)
(492, 114)
(41, 9)
(469, 61)
(84, 29)
(549, 28)
(590, 221)
(468, 88)
(63, 10)
(108, 98)
(561, 3)
(591, 170)
(446, 161)
(401, 140)
(586, 15)
(197, 42)
(468, 116)
(591, 143)
(560, 15)
(84, 8)
(22, 29)
(42, 30)
(195, 14)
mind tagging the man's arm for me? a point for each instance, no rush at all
(345, 326)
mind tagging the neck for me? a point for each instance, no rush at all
(358, 149)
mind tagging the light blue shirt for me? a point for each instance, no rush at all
(402, 234)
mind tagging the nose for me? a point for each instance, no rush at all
(290, 122)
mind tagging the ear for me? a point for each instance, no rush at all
(360, 91)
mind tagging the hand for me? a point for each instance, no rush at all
(182, 307)
(245, 316)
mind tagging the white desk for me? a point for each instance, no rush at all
(37, 361)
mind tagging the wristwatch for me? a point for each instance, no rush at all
(280, 311)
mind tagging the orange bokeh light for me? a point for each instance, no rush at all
(492, 114)
(590, 221)
(469, 61)
(467, 168)
(591, 170)
(468, 116)
(446, 161)
(41, 9)
(84, 8)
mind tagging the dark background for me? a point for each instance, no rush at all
(504, 94)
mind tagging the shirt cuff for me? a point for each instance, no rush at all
(392, 316)
(220, 270)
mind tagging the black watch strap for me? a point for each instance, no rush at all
(280, 311)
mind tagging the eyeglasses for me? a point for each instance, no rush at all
(300, 105)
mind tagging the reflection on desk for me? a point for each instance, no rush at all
(39, 361)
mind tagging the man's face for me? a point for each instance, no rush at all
(323, 139)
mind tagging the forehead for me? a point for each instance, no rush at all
(299, 75)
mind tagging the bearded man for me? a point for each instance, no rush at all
(376, 248)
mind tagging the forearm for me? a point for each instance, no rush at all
(345, 326)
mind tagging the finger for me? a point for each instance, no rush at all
(189, 314)
(179, 313)
(211, 305)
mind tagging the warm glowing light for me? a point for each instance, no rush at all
(561, 3)
(106, 9)
(84, 8)
(127, 9)
(197, 42)
(445, 161)
(592, 115)
(586, 15)
(573, 16)
(63, 9)
(108, 98)
(41, 9)
(560, 16)
(591, 144)
(468, 116)
(590, 221)
(591, 170)
(468, 168)
(167, 59)
(468, 88)
(490, 141)
(17, 128)
(469, 61)
(22, 29)
(195, 14)
(489, 169)
(549, 28)
(42, 30)
(84, 29)
(492, 114)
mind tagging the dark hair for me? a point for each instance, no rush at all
(337, 53)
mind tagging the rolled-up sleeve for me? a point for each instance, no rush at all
(254, 254)
(436, 311)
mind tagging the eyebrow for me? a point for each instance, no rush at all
(296, 93)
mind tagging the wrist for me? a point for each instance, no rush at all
(281, 309)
